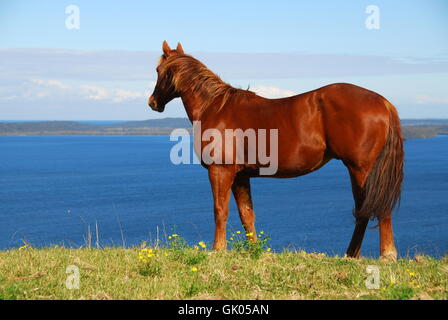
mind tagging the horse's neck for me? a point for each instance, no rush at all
(198, 99)
(193, 103)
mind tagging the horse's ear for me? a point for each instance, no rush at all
(166, 48)
(179, 48)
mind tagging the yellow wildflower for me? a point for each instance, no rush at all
(238, 232)
(146, 253)
(194, 269)
(202, 244)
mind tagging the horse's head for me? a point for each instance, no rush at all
(164, 91)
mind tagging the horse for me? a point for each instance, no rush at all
(339, 121)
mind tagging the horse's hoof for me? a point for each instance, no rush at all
(220, 248)
(352, 256)
(389, 256)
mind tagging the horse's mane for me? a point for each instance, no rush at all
(189, 73)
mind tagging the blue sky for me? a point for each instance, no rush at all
(101, 72)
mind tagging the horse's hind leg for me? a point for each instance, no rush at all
(358, 178)
(241, 192)
(354, 249)
(387, 246)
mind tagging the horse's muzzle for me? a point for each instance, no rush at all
(154, 105)
(151, 102)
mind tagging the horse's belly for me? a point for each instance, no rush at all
(299, 170)
(301, 164)
(298, 161)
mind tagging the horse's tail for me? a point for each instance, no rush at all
(383, 186)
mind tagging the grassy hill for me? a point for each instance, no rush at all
(178, 272)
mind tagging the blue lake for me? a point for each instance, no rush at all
(52, 188)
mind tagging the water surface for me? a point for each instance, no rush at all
(52, 188)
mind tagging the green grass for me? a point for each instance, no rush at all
(179, 271)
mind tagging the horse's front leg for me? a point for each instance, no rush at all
(221, 179)
(243, 198)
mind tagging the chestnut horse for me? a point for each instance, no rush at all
(339, 121)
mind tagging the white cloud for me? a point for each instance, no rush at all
(107, 79)
(91, 92)
(140, 65)
(56, 90)
(38, 88)
(50, 83)
(429, 99)
(123, 95)
(95, 93)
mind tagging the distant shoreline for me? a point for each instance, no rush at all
(412, 129)
(408, 133)
(166, 132)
